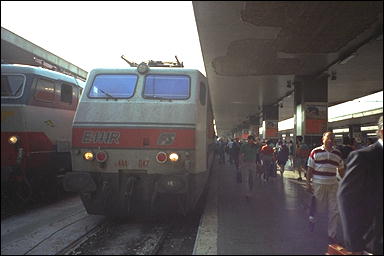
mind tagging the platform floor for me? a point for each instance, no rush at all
(273, 221)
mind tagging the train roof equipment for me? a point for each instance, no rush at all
(153, 63)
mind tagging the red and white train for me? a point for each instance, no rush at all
(142, 140)
(37, 110)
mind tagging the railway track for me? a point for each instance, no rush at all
(64, 228)
(118, 237)
(174, 235)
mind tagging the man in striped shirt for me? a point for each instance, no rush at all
(323, 164)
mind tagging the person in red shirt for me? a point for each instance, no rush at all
(267, 156)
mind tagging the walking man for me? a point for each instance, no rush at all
(323, 164)
(302, 153)
(248, 153)
(267, 160)
(235, 151)
(221, 150)
(282, 156)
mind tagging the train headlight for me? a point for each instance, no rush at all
(173, 157)
(88, 156)
(13, 139)
(161, 157)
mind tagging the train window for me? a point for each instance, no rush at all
(66, 93)
(203, 93)
(12, 85)
(45, 90)
(175, 87)
(113, 86)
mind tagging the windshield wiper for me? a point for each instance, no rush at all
(17, 91)
(109, 95)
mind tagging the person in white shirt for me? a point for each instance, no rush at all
(323, 164)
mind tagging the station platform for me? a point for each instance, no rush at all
(273, 221)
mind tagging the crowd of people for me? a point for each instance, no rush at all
(346, 181)
(269, 156)
(280, 155)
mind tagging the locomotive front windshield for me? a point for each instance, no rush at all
(113, 86)
(12, 85)
(170, 87)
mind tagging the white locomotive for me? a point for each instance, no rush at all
(142, 139)
(37, 110)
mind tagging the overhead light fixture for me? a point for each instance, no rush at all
(344, 61)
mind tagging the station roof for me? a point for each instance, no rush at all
(253, 51)
(17, 50)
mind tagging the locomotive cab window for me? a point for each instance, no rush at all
(203, 93)
(66, 93)
(12, 85)
(113, 86)
(45, 90)
(168, 87)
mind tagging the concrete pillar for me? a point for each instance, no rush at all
(269, 122)
(311, 108)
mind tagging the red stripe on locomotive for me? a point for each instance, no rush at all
(133, 138)
(34, 145)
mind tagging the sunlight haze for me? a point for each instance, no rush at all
(96, 34)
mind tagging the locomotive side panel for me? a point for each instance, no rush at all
(201, 126)
(203, 156)
(51, 111)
